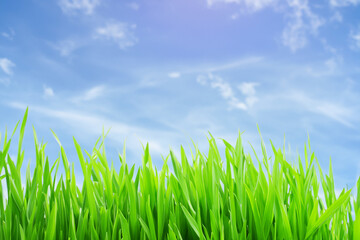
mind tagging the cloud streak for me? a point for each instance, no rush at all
(91, 94)
(253, 5)
(93, 124)
(334, 111)
(343, 3)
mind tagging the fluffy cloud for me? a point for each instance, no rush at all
(6, 66)
(74, 6)
(120, 33)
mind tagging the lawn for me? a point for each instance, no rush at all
(191, 197)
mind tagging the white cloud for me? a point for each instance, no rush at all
(92, 124)
(133, 5)
(355, 38)
(120, 33)
(73, 6)
(48, 92)
(91, 94)
(66, 47)
(337, 17)
(303, 22)
(9, 35)
(234, 64)
(215, 67)
(79, 119)
(224, 89)
(6, 65)
(329, 67)
(343, 3)
(249, 91)
(174, 75)
(5, 81)
(334, 111)
(234, 16)
(251, 4)
(248, 88)
(331, 64)
(227, 93)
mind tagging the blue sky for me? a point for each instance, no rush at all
(166, 72)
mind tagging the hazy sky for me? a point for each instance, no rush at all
(168, 71)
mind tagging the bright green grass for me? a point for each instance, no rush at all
(204, 197)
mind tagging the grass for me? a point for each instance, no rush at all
(209, 198)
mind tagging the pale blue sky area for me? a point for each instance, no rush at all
(168, 71)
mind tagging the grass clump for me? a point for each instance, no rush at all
(209, 198)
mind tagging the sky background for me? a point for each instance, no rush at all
(168, 71)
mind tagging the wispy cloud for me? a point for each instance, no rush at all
(334, 111)
(73, 116)
(174, 75)
(343, 3)
(309, 105)
(119, 32)
(329, 67)
(336, 17)
(134, 6)
(5, 80)
(249, 91)
(66, 47)
(89, 124)
(9, 34)
(251, 4)
(227, 93)
(6, 66)
(233, 64)
(48, 92)
(234, 16)
(75, 6)
(355, 39)
(302, 23)
(91, 94)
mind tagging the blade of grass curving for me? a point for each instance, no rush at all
(327, 214)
